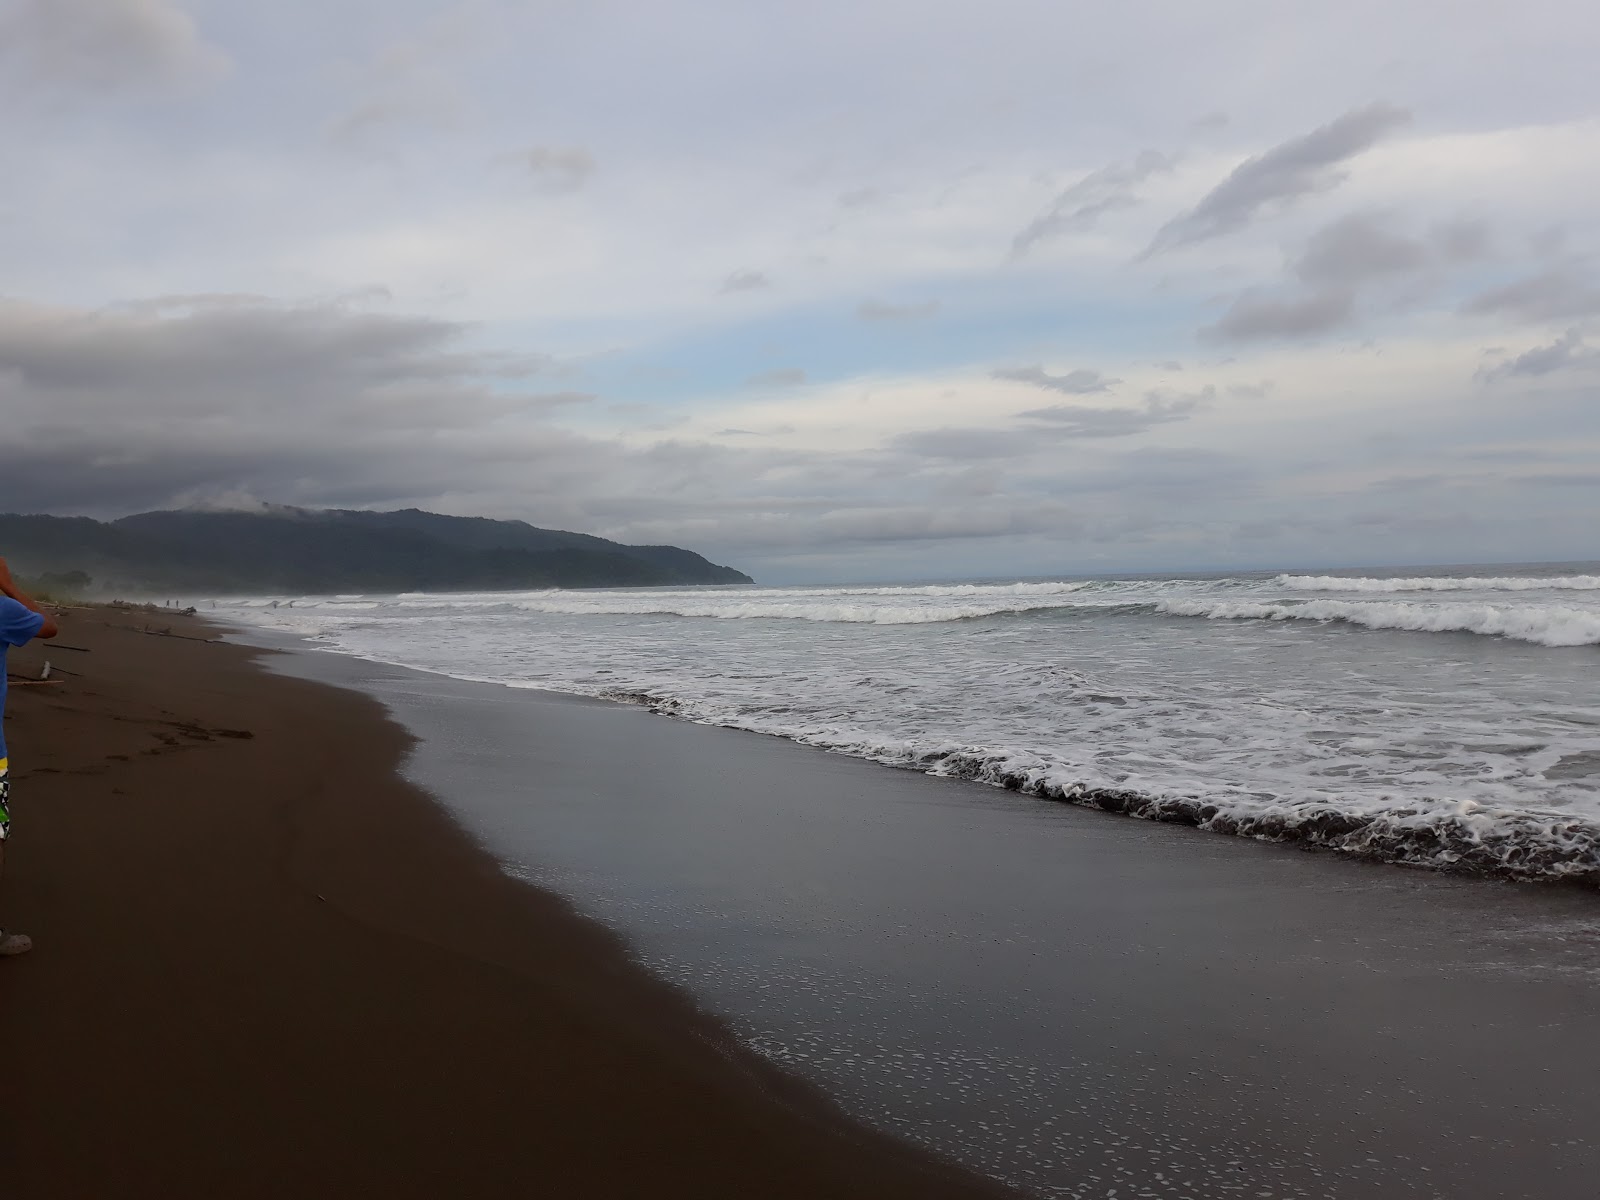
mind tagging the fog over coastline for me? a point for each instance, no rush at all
(834, 291)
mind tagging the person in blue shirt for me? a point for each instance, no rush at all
(21, 620)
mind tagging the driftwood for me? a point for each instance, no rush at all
(168, 633)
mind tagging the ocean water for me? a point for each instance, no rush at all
(1438, 717)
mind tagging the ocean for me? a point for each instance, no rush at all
(1441, 717)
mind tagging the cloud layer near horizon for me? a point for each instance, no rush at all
(833, 314)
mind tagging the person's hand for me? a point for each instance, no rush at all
(7, 584)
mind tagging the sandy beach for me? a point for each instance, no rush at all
(268, 967)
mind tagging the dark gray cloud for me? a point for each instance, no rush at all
(781, 377)
(1090, 421)
(1357, 248)
(1254, 317)
(101, 45)
(1086, 201)
(1549, 296)
(874, 310)
(1079, 382)
(1340, 264)
(745, 281)
(1288, 172)
(557, 168)
(115, 409)
(1569, 350)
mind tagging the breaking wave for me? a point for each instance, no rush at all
(1541, 624)
(1466, 836)
(1462, 836)
(1432, 583)
(790, 610)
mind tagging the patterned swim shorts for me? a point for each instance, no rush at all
(5, 806)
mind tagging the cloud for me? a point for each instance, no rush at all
(1079, 382)
(1549, 296)
(852, 524)
(1561, 479)
(548, 400)
(1569, 350)
(782, 377)
(967, 443)
(1288, 172)
(874, 310)
(114, 409)
(559, 169)
(409, 84)
(1057, 423)
(1081, 205)
(1255, 317)
(1086, 421)
(745, 281)
(1340, 264)
(104, 45)
(1357, 248)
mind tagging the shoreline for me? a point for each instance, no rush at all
(1052, 996)
(267, 965)
(1532, 849)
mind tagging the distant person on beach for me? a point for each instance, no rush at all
(21, 620)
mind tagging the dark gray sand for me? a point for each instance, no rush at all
(1080, 1003)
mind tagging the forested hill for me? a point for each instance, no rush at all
(281, 549)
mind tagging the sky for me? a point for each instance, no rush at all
(842, 289)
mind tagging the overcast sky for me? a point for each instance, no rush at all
(834, 289)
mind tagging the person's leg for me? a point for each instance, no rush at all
(10, 943)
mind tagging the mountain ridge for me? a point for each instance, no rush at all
(280, 548)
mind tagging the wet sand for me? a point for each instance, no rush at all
(267, 966)
(1082, 1002)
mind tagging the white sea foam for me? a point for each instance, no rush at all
(871, 606)
(1542, 624)
(933, 589)
(1441, 583)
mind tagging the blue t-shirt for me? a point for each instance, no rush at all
(18, 624)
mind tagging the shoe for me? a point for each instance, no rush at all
(14, 943)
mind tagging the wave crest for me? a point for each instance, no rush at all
(1444, 835)
(1541, 624)
(1431, 583)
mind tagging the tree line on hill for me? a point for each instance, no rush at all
(283, 549)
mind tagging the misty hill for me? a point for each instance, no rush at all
(280, 549)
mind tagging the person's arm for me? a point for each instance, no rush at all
(8, 586)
